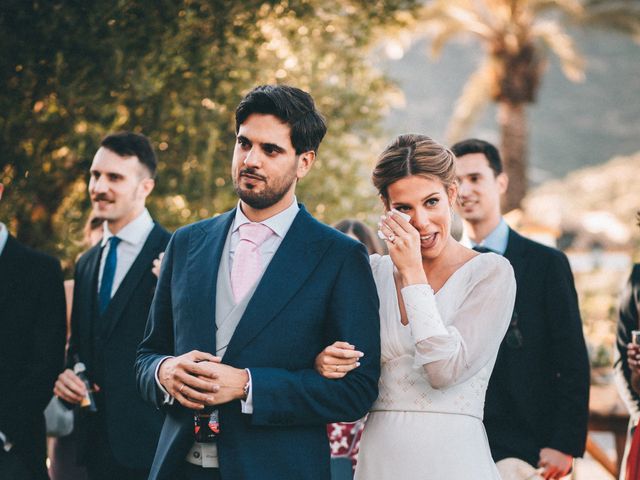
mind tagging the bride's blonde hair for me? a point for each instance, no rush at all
(413, 154)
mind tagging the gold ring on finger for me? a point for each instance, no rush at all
(180, 391)
(337, 368)
(392, 238)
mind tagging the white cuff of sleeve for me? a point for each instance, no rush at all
(7, 445)
(168, 399)
(422, 312)
(247, 405)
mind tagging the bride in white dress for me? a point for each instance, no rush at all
(444, 310)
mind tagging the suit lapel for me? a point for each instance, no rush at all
(141, 266)
(515, 253)
(86, 288)
(298, 255)
(206, 243)
(9, 263)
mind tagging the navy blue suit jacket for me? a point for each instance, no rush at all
(132, 425)
(32, 336)
(538, 395)
(317, 289)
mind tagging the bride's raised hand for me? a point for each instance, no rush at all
(403, 242)
(338, 359)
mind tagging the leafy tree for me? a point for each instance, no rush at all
(516, 36)
(175, 70)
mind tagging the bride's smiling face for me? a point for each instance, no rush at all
(428, 203)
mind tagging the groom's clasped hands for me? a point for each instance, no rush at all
(198, 379)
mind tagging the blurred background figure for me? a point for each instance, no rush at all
(112, 294)
(344, 438)
(627, 368)
(537, 402)
(62, 450)
(31, 353)
(91, 235)
(359, 231)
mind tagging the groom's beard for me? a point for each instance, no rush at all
(271, 193)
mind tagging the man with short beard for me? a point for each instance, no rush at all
(245, 302)
(112, 293)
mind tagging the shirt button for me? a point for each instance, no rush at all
(196, 454)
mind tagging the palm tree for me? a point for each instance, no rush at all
(516, 36)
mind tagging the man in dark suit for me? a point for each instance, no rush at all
(537, 401)
(246, 301)
(32, 336)
(627, 355)
(112, 293)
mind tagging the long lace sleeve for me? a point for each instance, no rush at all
(454, 348)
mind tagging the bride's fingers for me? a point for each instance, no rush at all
(346, 345)
(331, 361)
(404, 223)
(393, 226)
(382, 225)
(389, 234)
(342, 353)
(338, 371)
(397, 223)
(346, 368)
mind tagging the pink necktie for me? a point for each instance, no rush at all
(247, 261)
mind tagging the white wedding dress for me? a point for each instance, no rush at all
(427, 420)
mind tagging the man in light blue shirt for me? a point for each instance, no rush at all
(536, 408)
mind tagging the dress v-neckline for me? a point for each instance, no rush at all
(462, 267)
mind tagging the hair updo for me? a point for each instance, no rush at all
(413, 154)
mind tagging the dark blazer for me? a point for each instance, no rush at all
(538, 395)
(32, 338)
(318, 288)
(628, 320)
(107, 345)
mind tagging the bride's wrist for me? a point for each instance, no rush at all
(412, 277)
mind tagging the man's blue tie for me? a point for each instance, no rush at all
(481, 249)
(108, 273)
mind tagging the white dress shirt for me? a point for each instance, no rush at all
(132, 236)
(4, 236)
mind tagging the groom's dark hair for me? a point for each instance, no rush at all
(293, 106)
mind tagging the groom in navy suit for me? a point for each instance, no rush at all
(245, 301)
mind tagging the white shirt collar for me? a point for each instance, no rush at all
(4, 236)
(279, 223)
(134, 232)
(496, 241)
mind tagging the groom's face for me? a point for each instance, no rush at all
(265, 165)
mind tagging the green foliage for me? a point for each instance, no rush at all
(175, 70)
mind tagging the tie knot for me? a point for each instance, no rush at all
(481, 249)
(114, 241)
(255, 233)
